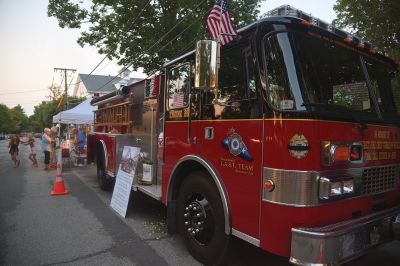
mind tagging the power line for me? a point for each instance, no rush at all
(90, 71)
(17, 92)
(106, 65)
(158, 41)
(162, 48)
(17, 102)
(65, 70)
(152, 72)
(133, 23)
(52, 80)
(70, 81)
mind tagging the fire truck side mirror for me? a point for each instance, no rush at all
(206, 65)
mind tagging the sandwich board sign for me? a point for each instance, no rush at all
(124, 181)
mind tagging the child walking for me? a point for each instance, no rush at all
(32, 145)
(13, 145)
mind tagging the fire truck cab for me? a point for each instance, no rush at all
(291, 141)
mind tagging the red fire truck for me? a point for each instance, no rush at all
(290, 141)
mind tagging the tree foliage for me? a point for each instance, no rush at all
(13, 120)
(43, 113)
(375, 20)
(5, 119)
(131, 31)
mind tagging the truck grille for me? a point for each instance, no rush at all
(380, 179)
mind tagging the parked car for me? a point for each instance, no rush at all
(37, 135)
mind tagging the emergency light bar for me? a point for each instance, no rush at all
(287, 10)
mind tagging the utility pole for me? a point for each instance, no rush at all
(66, 84)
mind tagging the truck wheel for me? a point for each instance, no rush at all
(104, 182)
(201, 219)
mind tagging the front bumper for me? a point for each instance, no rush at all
(338, 243)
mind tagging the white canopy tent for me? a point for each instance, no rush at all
(80, 114)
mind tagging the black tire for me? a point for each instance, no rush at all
(104, 183)
(201, 219)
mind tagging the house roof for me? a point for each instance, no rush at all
(95, 83)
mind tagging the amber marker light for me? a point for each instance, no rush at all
(341, 153)
(348, 40)
(269, 185)
(306, 22)
(361, 46)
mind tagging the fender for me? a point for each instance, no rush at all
(105, 153)
(213, 173)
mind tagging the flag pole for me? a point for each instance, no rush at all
(218, 50)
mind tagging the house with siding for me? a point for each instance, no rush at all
(98, 85)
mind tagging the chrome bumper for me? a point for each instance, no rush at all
(338, 243)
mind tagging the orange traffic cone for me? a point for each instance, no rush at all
(59, 187)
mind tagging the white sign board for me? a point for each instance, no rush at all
(123, 184)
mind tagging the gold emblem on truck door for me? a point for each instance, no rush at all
(298, 146)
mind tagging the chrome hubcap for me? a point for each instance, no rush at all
(198, 219)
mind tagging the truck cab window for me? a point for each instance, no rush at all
(237, 92)
(308, 73)
(279, 73)
(251, 80)
(231, 76)
(178, 87)
(386, 84)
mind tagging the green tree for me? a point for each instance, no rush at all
(111, 26)
(5, 119)
(43, 113)
(375, 20)
(19, 120)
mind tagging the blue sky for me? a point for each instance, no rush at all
(32, 45)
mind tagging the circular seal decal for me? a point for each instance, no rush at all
(235, 144)
(298, 146)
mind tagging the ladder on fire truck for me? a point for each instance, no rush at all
(115, 115)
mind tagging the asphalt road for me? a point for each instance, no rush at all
(81, 228)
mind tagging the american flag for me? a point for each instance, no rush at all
(219, 23)
(179, 100)
(152, 87)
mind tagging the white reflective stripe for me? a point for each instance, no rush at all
(59, 177)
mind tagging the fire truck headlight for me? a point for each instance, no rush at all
(335, 187)
(348, 186)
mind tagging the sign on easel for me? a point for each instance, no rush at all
(125, 175)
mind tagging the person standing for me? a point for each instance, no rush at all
(32, 145)
(13, 145)
(46, 147)
(53, 155)
(80, 142)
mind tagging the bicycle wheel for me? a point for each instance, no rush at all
(73, 156)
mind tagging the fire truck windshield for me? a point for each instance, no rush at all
(311, 73)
